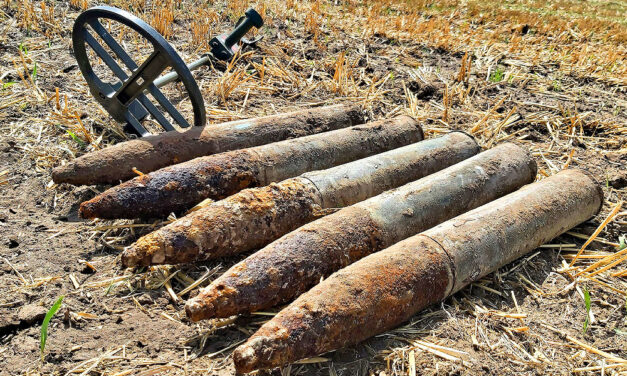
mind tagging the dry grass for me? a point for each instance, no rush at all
(550, 75)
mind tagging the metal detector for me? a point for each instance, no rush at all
(127, 100)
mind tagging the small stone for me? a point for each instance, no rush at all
(408, 213)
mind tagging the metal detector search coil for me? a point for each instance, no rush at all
(127, 101)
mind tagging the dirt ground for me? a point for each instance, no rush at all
(527, 318)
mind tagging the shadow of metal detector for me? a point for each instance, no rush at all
(127, 100)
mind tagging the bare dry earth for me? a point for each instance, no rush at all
(116, 320)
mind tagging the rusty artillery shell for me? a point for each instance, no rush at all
(151, 153)
(178, 187)
(294, 263)
(254, 217)
(385, 289)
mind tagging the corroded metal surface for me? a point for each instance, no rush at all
(383, 290)
(178, 187)
(486, 238)
(241, 222)
(348, 184)
(151, 153)
(254, 217)
(292, 264)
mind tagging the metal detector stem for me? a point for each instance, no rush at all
(222, 46)
(173, 76)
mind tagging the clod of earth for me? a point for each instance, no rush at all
(31, 313)
(151, 153)
(294, 263)
(385, 289)
(254, 217)
(179, 187)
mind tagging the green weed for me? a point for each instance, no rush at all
(497, 75)
(75, 138)
(44, 326)
(586, 299)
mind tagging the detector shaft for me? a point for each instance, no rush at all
(173, 76)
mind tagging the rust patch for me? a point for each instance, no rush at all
(173, 185)
(151, 153)
(381, 291)
(253, 218)
(176, 188)
(361, 300)
(289, 266)
(247, 220)
(497, 233)
(224, 174)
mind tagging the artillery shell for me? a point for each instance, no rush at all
(179, 187)
(294, 263)
(254, 217)
(151, 153)
(385, 289)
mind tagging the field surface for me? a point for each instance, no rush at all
(548, 75)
